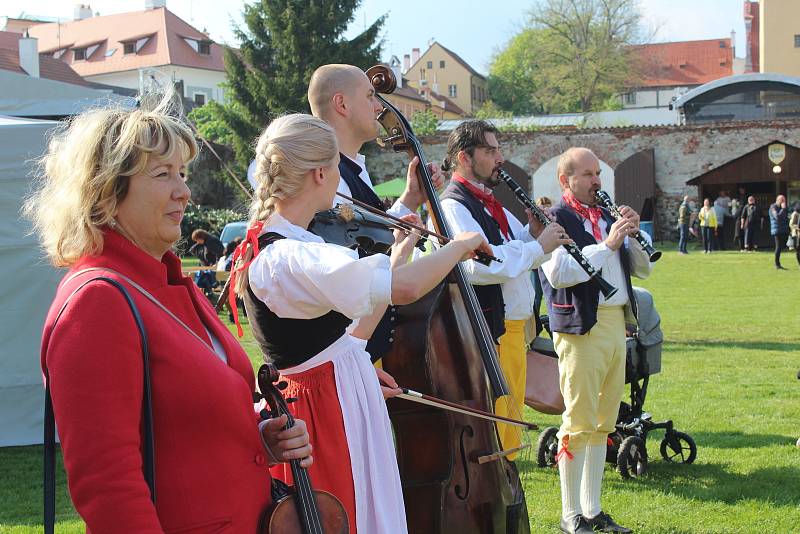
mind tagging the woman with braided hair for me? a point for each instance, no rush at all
(313, 306)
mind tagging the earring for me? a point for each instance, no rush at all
(112, 223)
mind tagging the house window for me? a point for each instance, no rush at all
(441, 64)
(204, 47)
(80, 54)
(630, 98)
(110, 52)
(797, 41)
(452, 92)
(722, 44)
(200, 99)
(129, 48)
(430, 64)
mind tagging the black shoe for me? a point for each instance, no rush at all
(603, 523)
(576, 525)
(781, 268)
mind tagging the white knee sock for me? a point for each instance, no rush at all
(571, 471)
(593, 478)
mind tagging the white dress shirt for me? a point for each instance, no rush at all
(302, 277)
(398, 209)
(520, 255)
(562, 270)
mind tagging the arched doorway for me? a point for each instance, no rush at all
(545, 180)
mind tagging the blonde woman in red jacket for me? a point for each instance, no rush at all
(112, 197)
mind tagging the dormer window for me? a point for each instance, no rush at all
(135, 44)
(79, 54)
(201, 46)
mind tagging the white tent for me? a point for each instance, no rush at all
(27, 286)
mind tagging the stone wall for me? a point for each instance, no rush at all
(681, 153)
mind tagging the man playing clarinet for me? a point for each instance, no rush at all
(589, 334)
(505, 290)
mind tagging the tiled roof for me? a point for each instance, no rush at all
(454, 56)
(449, 105)
(166, 44)
(684, 63)
(49, 68)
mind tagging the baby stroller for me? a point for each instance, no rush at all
(627, 444)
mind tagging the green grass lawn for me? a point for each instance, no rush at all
(731, 324)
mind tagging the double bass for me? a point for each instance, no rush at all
(455, 476)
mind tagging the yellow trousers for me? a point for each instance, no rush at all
(591, 370)
(513, 362)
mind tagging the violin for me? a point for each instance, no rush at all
(354, 228)
(299, 509)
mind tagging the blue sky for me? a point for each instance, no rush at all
(474, 29)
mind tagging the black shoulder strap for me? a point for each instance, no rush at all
(148, 442)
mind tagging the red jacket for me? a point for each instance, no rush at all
(211, 467)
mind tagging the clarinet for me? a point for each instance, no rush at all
(605, 288)
(605, 200)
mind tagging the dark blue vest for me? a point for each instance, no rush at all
(575, 309)
(490, 297)
(383, 336)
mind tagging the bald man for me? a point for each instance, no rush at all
(589, 334)
(343, 96)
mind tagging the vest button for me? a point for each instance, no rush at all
(391, 340)
(391, 318)
(391, 331)
(259, 459)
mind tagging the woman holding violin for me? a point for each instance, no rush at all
(312, 306)
(109, 208)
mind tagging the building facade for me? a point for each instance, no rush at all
(441, 71)
(779, 37)
(136, 50)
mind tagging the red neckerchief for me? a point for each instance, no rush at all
(490, 203)
(251, 240)
(593, 214)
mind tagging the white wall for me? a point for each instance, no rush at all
(544, 182)
(194, 80)
(653, 98)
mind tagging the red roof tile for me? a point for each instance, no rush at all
(449, 105)
(166, 44)
(49, 68)
(684, 63)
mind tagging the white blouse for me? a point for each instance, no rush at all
(519, 255)
(302, 277)
(398, 209)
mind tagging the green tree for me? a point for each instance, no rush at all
(424, 122)
(281, 44)
(573, 56)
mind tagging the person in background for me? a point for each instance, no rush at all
(779, 227)
(111, 199)
(685, 220)
(749, 222)
(794, 227)
(722, 206)
(708, 225)
(736, 214)
(208, 249)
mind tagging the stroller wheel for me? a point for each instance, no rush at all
(547, 447)
(679, 448)
(632, 457)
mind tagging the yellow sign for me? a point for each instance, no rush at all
(777, 153)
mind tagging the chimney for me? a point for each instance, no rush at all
(414, 55)
(154, 4)
(733, 42)
(406, 62)
(81, 12)
(29, 54)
